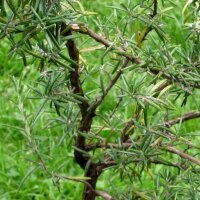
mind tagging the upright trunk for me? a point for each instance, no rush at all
(86, 121)
(93, 173)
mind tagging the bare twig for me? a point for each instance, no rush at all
(104, 195)
(183, 155)
(185, 117)
(85, 30)
(27, 130)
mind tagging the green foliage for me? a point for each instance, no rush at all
(41, 112)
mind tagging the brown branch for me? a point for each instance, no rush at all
(109, 162)
(87, 111)
(86, 121)
(130, 123)
(185, 117)
(74, 74)
(90, 147)
(183, 155)
(109, 87)
(104, 195)
(85, 30)
(155, 161)
(111, 115)
(155, 8)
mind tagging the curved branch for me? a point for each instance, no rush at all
(104, 195)
(85, 30)
(155, 161)
(183, 155)
(86, 121)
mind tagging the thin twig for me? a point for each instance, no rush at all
(35, 148)
(85, 30)
(170, 149)
(110, 162)
(27, 130)
(129, 125)
(107, 145)
(104, 195)
(59, 176)
(111, 115)
(185, 117)
(155, 8)
(182, 154)
(109, 87)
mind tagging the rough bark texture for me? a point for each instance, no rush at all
(94, 174)
(85, 123)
